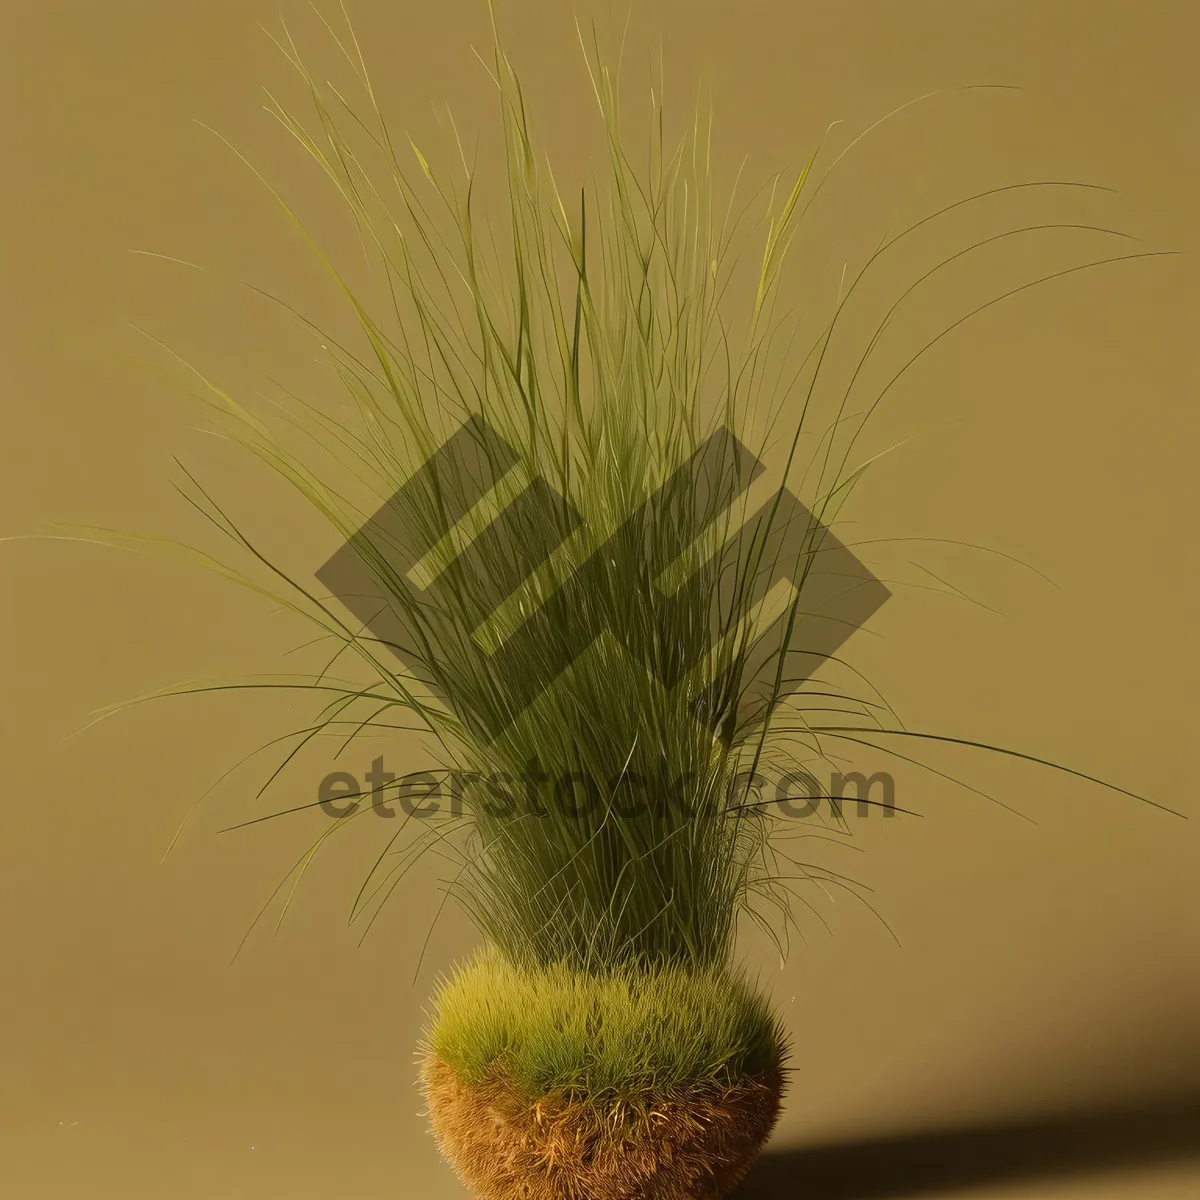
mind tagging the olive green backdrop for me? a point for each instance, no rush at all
(1043, 963)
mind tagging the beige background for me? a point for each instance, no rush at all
(1042, 965)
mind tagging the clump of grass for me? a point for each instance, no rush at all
(592, 336)
(633, 1035)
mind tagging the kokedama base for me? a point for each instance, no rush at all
(687, 1146)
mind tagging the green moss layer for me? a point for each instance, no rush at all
(631, 1035)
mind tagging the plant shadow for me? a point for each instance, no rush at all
(1153, 1133)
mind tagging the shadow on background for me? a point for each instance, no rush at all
(1154, 1133)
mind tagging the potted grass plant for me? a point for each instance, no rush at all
(562, 554)
(602, 1043)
